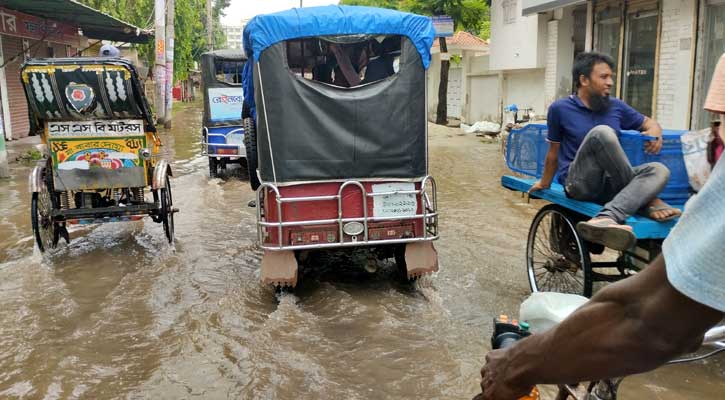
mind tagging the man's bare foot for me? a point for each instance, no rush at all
(607, 232)
(660, 211)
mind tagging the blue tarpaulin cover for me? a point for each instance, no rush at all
(265, 30)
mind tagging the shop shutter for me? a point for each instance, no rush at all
(19, 124)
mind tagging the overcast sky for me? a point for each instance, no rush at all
(245, 9)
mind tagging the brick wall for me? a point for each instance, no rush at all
(12, 45)
(674, 79)
(551, 74)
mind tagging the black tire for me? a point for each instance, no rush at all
(167, 210)
(557, 259)
(45, 229)
(400, 264)
(250, 144)
(213, 167)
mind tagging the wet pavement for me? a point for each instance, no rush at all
(120, 314)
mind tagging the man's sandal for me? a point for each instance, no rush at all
(608, 233)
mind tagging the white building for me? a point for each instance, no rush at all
(665, 52)
(234, 35)
(464, 49)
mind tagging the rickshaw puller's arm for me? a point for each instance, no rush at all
(552, 157)
(628, 327)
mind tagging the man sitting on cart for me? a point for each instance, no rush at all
(591, 164)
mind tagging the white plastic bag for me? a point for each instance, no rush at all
(694, 151)
(482, 127)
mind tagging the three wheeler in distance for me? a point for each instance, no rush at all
(337, 136)
(222, 132)
(101, 150)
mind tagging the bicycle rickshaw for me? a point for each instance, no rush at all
(101, 148)
(544, 310)
(222, 132)
(557, 258)
(340, 157)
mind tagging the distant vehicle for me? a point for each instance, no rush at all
(222, 132)
(337, 136)
(101, 157)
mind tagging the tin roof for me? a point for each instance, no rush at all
(95, 24)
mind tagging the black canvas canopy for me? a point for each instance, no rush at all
(309, 130)
(235, 59)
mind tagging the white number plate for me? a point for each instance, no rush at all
(394, 205)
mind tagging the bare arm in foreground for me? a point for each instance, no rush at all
(629, 327)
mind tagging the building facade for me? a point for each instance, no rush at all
(234, 35)
(22, 37)
(665, 51)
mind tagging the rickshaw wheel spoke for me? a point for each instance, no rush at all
(167, 210)
(557, 258)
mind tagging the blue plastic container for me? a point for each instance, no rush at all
(527, 147)
(677, 190)
(526, 150)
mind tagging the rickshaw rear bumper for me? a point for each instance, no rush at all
(304, 218)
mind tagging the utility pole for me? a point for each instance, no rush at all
(160, 62)
(170, 10)
(209, 26)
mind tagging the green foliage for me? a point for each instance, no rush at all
(189, 27)
(470, 15)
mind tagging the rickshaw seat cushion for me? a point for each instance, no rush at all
(644, 228)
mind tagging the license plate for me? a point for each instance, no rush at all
(394, 205)
(235, 138)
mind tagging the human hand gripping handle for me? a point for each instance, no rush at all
(494, 385)
(653, 129)
(538, 185)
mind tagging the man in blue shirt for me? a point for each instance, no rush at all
(585, 152)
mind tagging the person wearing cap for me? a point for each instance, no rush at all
(639, 323)
(109, 50)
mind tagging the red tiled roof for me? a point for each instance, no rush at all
(463, 38)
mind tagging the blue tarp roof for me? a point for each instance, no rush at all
(265, 30)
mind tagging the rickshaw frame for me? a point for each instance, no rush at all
(315, 206)
(125, 104)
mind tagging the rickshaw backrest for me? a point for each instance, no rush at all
(67, 89)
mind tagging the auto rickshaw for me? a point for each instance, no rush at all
(101, 149)
(222, 132)
(338, 136)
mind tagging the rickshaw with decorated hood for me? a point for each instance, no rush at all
(101, 150)
(337, 139)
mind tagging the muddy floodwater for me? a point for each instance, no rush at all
(119, 313)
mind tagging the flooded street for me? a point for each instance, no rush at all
(119, 313)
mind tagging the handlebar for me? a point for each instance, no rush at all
(715, 336)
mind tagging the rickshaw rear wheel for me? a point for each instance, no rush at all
(250, 146)
(557, 258)
(167, 210)
(401, 265)
(41, 215)
(213, 168)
